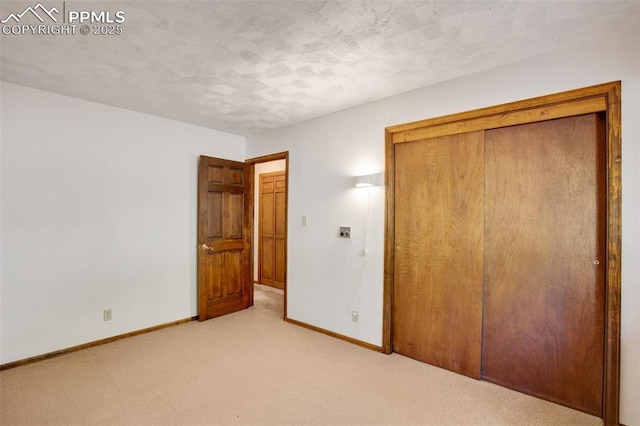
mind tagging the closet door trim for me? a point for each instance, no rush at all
(601, 98)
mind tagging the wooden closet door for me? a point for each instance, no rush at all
(272, 230)
(437, 311)
(544, 260)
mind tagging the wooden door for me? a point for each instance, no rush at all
(272, 229)
(223, 238)
(437, 299)
(545, 261)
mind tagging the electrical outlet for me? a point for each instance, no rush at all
(106, 315)
(345, 232)
(354, 316)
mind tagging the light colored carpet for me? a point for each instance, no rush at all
(253, 368)
(269, 299)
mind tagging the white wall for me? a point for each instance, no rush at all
(260, 168)
(325, 273)
(327, 276)
(98, 211)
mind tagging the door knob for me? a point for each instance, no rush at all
(205, 247)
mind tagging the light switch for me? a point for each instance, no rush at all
(304, 220)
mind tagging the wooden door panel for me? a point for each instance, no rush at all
(236, 175)
(233, 266)
(267, 260)
(280, 215)
(437, 311)
(214, 215)
(267, 212)
(215, 173)
(223, 243)
(267, 183)
(279, 261)
(543, 295)
(235, 215)
(213, 280)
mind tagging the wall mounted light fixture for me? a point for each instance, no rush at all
(366, 181)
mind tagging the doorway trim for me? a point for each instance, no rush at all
(251, 162)
(600, 98)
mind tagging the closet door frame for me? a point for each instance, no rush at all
(600, 98)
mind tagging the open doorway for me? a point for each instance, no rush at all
(269, 252)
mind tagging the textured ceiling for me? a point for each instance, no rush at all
(241, 65)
